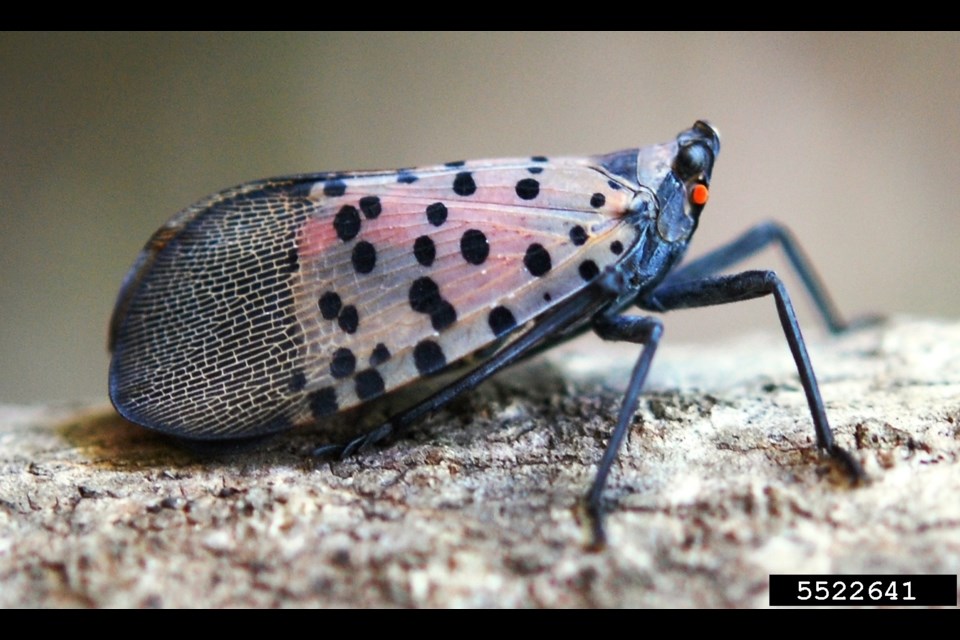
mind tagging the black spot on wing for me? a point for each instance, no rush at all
(330, 305)
(589, 270)
(343, 363)
(371, 207)
(424, 295)
(424, 250)
(428, 357)
(379, 355)
(368, 384)
(349, 319)
(537, 260)
(323, 402)
(528, 189)
(474, 247)
(501, 321)
(364, 257)
(443, 316)
(347, 223)
(334, 188)
(437, 213)
(463, 184)
(578, 235)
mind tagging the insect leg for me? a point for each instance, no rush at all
(639, 330)
(747, 285)
(754, 240)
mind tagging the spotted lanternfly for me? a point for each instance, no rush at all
(284, 302)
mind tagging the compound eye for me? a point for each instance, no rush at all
(692, 160)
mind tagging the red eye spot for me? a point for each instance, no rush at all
(700, 195)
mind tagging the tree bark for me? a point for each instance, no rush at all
(718, 486)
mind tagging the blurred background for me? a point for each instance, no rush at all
(851, 140)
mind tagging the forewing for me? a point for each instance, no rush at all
(284, 302)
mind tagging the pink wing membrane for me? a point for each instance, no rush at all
(509, 246)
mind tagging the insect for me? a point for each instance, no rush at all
(286, 301)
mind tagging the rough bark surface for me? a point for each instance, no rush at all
(718, 486)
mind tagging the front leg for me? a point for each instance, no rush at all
(747, 285)
(753, 241)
